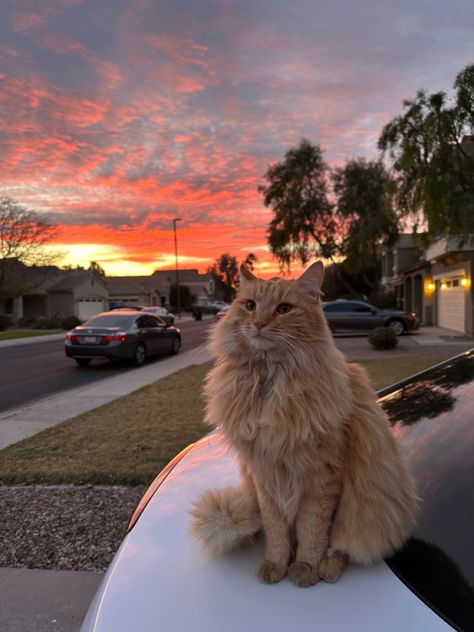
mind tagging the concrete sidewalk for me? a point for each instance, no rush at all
(41, 601)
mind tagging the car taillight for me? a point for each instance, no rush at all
(72, 337)
(114, 337)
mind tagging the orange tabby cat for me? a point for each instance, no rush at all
(321, 472)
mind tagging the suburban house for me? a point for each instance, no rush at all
(434, 282)
(35, 292)
(32, 292)
(201, 286)
(155, 288)
(135, 290)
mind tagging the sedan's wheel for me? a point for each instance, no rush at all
(176, 346)
(140, 354)
(83, 361)
(397, 327)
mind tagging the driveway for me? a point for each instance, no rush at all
(426, 342)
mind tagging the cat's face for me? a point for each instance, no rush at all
(276, 317)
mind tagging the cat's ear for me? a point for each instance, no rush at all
(246, 275)
(312, 278)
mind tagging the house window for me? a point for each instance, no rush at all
(8, 306)
(456, 283)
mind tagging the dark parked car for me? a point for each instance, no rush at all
(161, 312)
(121, 335)
(354, 316)
(160, 579)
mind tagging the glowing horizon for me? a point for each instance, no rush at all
(118, 117)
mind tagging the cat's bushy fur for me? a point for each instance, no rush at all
(321, 472)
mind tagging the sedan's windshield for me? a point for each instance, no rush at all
(434, 421)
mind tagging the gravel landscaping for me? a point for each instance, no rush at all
(66, 527)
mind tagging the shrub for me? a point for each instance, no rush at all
(383, 338)
(25, 321)
(48, 323)
(5, 321)
(70, 322)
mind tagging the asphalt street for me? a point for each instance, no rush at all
(40, 369)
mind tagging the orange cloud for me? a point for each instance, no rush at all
(118, 117)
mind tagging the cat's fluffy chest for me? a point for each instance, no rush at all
(265, 401)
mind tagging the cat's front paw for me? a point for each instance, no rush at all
(303, 574)
(271, 573)
(332, 566)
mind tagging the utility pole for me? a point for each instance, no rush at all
(177, 270)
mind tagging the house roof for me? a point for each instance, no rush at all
(160, 280)
(74, 278)
(22, 279)
(127, 285)
(185, 276)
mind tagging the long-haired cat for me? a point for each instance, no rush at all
(320, 470)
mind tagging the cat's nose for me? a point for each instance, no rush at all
(260, 324)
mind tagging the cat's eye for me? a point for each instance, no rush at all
(284, 308)
(250, 305)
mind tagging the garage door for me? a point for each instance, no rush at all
(451, 302)
(88, 307)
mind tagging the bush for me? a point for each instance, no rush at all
(5, 321)
(48, 323)
(26, 321)
(383, 338)
(70, 322)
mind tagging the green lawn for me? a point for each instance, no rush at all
(11, 335)
(131, 439)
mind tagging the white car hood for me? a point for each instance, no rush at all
(160, 579)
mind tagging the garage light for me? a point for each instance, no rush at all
(443, 286)
(465, 282)
(430, 286)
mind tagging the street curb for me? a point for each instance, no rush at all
(20, 423)
(15, 342)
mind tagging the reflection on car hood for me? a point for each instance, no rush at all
(160, 579)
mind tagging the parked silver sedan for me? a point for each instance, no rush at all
(122, 335)
(357, 316)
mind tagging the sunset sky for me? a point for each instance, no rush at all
(119, 115)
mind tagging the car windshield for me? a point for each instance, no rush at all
(109, 320)
(433, 420)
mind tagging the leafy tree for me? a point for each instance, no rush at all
(226, 269)
(432, 152)
(23, 235)
(250, 261)
(97, 268)
(365, 214)
(69, 266)
(304, 224)
(340, 281)
(186, 298)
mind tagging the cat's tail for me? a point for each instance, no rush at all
(224, 519)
